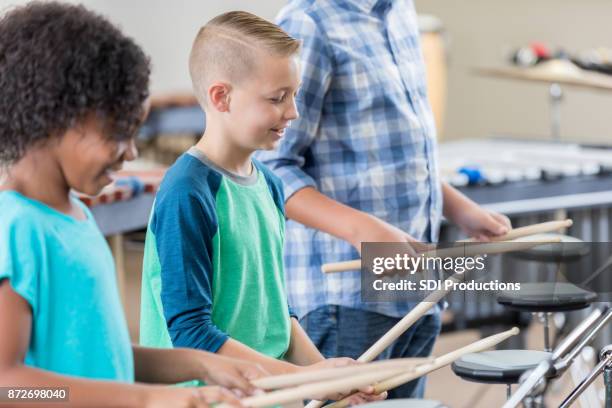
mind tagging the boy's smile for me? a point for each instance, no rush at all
(280, 132)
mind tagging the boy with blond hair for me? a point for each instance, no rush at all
(360, 165)
(213, 275)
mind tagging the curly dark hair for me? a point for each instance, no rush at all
(60, 63)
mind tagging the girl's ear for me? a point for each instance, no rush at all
(219, 96)
(146, 108)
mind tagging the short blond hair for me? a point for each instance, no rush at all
(226, 48)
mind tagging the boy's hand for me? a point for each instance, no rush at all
(231, 373)
(202, 397)
(331, 363)
(364, 397)
(482, 224)
(365, 394)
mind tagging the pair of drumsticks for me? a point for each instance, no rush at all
(385, 375)
(519, 239)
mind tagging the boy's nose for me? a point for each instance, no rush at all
(292, 112)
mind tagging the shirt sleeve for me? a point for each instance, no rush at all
(288, 160)
(20, 259)
(184, 226)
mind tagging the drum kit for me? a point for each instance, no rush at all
(540, 298)
(533, 370)
(543, 299)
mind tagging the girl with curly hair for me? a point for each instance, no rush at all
(73, 93)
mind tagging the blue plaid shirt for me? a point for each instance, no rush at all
(365, 137)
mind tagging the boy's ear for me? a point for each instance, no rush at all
(219, 96)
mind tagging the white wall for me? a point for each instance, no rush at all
(481, 32)
(166, 29)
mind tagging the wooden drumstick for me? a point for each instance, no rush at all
(439, 362)
(407, 321)
(400, 327)
(498, 247)
(446, 359)
(346, 384)
(490, 248)
(343, 266)
(292, 380)
(533, 229)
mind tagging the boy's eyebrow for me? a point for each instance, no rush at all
(287, 88)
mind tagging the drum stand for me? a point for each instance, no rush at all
(544, 319)
(556, 96)
(533, 383)
(608, 385)
(552, 298)
(604, 366)
(541, 299)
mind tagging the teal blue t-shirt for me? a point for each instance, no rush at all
(64, 269)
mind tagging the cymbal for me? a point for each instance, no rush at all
(563, 72)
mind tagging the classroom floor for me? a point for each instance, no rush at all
(442, 385)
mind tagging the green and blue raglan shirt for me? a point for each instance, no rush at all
(213, 262)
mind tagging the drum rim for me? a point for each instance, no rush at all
(491, 376)
(554, 302)
(383, 403)
(539, 255)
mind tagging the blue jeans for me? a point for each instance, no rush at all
(340, 331)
